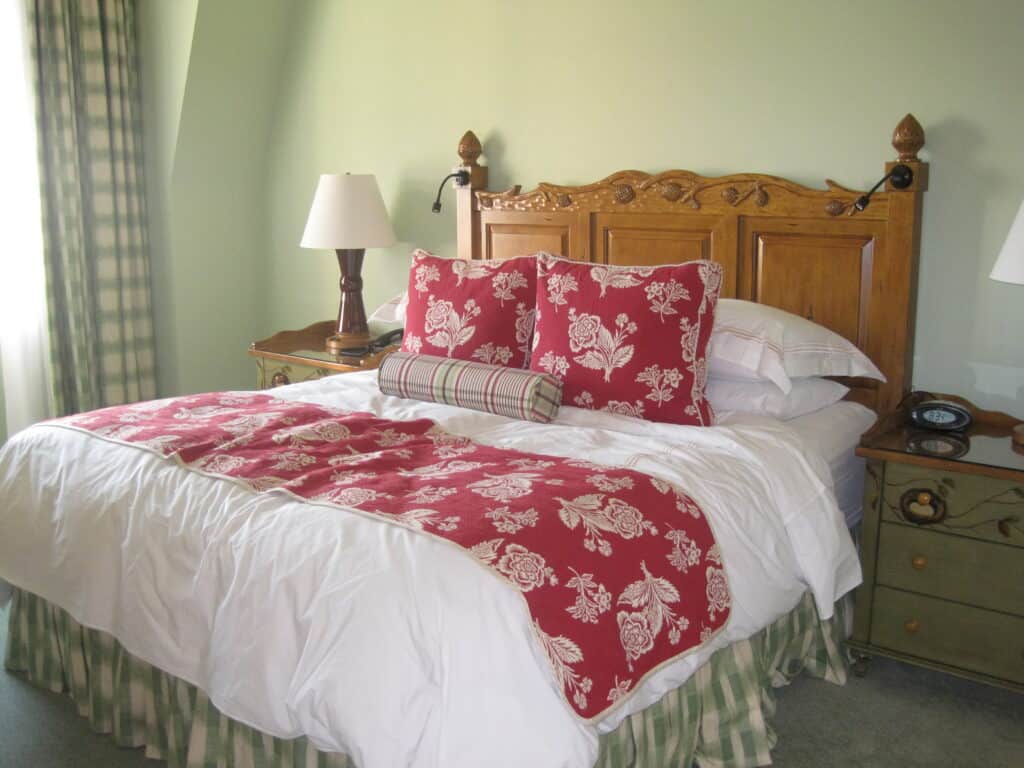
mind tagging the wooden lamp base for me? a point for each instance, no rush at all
(352, 329)
(337, 343)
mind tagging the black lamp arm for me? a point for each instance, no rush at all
(461, 177)
(901, 177)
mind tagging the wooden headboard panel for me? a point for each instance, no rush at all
(808, 251)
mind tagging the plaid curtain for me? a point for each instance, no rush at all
(88, 113)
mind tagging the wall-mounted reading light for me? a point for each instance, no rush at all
(901, 177)
(461, 177)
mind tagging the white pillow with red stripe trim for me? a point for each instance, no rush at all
(757, 342)
(763, 397)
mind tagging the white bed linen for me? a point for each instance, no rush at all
(370, 639)
(833, 433)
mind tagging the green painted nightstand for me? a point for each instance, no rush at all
(942, 549)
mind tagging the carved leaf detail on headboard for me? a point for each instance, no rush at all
(665, 192)
(835, 207)
(734, 197)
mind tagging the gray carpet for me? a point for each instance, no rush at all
(897, 716)
(39, 729)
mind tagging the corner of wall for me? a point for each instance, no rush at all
(212, 275)
(166, 34)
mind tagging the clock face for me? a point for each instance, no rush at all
(939, 416)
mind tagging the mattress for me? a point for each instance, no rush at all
(833, 434)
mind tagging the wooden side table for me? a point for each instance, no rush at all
(292, 356)
(942, 549)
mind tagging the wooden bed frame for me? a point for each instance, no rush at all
(804, 250)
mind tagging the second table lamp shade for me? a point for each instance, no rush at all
(1009, 266)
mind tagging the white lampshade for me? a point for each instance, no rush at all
(1009, 266)
(347, 212)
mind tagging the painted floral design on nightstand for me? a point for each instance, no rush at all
(924, 506)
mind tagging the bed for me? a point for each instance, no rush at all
(219, 626)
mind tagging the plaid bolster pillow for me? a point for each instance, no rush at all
(512, 392)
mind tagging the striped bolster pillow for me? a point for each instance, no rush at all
(512, 392)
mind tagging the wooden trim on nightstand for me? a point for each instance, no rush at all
(287, 347)
(880, 443)
(945, 465)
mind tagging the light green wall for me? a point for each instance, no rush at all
(208, 131)
(165, 39)
(573, 90)
(3, 410)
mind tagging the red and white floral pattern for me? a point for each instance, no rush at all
(471, 310)
(620, 571)
(629, 340)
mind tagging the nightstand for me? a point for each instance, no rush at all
(942, 549)
(292, 356)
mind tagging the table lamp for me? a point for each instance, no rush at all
(1009, 268)
(348, 215)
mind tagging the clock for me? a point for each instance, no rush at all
(941, 415)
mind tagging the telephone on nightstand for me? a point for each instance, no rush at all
(387, 339)
(376, 345)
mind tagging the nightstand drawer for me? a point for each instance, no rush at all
(966, 505)
(952, 567)
(271, 373)
(968, 638)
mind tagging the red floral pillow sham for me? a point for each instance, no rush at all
(629, 340)
(471, 310)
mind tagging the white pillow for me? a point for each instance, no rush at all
(746, 344)
(763, 397)
(391, 311)
(756, 342)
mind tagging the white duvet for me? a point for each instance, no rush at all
(368, 638)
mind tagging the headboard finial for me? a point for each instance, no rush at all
(908, 138)
(469, 148)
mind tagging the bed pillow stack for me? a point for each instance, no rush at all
(765, 360)
(654, 343)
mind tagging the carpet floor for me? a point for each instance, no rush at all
(897, 716)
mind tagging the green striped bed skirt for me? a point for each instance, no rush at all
(719, 717)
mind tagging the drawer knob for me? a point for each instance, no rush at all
(918, 562)
(912, 626)
(921, 506)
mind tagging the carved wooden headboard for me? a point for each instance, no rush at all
(808, 251)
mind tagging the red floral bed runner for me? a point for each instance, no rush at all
(620, 571)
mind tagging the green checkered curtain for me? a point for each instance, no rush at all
(88, 112)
